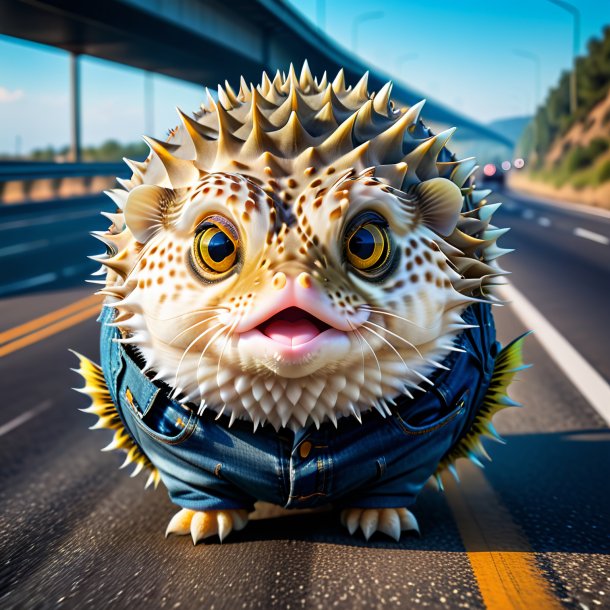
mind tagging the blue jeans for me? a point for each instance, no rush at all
(381, 462)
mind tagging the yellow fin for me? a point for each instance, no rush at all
(108, 417)
(507, 363)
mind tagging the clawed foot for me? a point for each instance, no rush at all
(203, 524)
(390, 521)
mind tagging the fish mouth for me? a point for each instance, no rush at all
(293, 342)
(292, 327)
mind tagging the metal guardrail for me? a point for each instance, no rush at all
(241, 37)
(35, 170)
(38, 181)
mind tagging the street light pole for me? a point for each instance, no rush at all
(358, 20)
(149, 104)
(75, 143)
(535, 59)
(570, 8)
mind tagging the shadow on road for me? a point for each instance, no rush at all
(554, 486)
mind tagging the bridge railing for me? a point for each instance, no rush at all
(33, 181)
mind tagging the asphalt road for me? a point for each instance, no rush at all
(77, 532)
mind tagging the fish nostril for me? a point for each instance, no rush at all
(304, 280)
(279, 280)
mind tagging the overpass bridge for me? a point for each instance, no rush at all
(204, 42)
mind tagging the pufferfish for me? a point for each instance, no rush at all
(298, 291)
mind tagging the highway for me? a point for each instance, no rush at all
(531, 530)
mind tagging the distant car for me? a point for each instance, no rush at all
(492, 174)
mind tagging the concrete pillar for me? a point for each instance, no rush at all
(149, 104)
(75, 140)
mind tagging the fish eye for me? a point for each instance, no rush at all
(215, 247)
(368, 246)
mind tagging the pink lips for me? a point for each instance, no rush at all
(292, 327)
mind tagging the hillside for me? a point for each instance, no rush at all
(577, 165)
(569, 153)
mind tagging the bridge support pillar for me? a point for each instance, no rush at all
(75, 131)
(149, 104)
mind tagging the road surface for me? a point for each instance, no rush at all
(531, 529)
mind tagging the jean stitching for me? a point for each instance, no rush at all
(306, 497)
(381, 466)
(321, 473)
(329, 473)
(184, 434)
(414, 432)
(284, 485)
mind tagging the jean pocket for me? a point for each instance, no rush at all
(435, 415)
(165, 421)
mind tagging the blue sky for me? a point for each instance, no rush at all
(34, 99)
(460, 52)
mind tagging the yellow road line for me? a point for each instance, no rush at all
(37, 323)
(502, 560)
(52, 329)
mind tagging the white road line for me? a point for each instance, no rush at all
(30, 282)
(24, 247)
(45, 278)
(584, 377)
(42, 220)
(39, 244)
(25, 416)
(543, 221)
(575, 207)
(72, 270)
(600, 239)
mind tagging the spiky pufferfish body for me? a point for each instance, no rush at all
(291, 163)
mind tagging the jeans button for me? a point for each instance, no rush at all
(304, 449)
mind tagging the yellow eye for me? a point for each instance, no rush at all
(215, 248)
(368, 247)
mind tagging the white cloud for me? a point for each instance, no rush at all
(10, 96)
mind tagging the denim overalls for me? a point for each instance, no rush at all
(381, 462)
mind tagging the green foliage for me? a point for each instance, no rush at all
(594, 176)
(582, 157)
(49, 153)
(603, 172)
(110, 150)
(579, 169)
(553, 117)
(598, 146)
(581, 181)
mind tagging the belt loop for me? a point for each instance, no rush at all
(108, 344)
(137, 389)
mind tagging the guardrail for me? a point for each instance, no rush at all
(23, 181)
